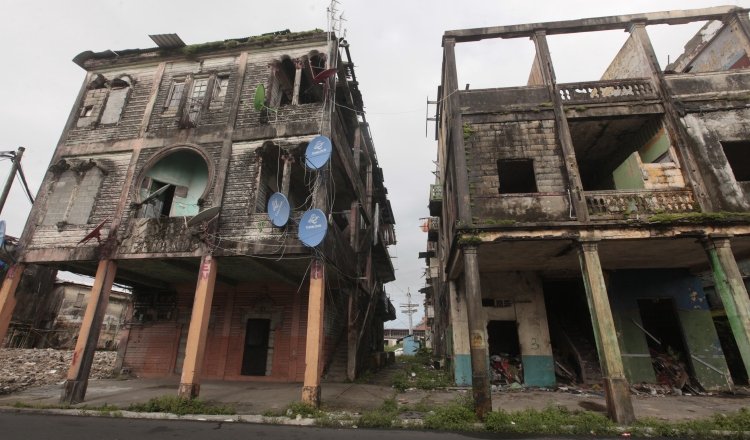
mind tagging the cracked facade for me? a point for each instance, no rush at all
(157, 136)
(595, 225)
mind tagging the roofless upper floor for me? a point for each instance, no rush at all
(639, 141)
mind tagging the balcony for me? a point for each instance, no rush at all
(433, 228)
(436, 200)
(594, 92)
(620, 205)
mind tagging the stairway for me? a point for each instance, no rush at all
(586, 355)
(336, 371)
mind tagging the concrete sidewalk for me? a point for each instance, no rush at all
(262, 397)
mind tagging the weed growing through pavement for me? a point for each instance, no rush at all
(180, 406)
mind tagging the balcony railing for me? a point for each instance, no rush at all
(436, 200)
(632, 204)
(606, 91)
(436, 192)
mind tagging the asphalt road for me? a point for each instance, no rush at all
(44, 427)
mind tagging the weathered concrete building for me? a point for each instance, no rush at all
(157, 136)
(50, 316)
(572, 222)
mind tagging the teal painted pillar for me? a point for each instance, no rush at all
(616, 387)
(731, 289)
(533, 333)
(460, 352)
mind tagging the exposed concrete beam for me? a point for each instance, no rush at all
(593, 24)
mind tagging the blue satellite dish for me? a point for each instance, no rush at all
(318, 152)
(278, 209)
(2, 233)
(313, 227)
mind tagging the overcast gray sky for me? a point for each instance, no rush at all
(395, 45)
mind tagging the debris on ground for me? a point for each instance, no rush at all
(505, 369)
(22, 368)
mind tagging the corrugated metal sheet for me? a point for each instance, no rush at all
(167, 41)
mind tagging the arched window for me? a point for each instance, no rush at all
(174, 185)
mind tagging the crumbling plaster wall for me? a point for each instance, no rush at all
(128, 127)
(707, 131)
(488, 142)
(723, 51)
(697, 327)
(67, 234)
(630, 62)
(526, 296)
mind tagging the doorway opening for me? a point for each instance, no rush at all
(505, 352)
(571, 332)
(255, 355)
(666, 344)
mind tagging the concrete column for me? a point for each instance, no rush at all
(297, 80)
(616, 387)
(461, 353)
(480, 381)
(74, 390)
(731, 288)
(196, 341)
(8, 297)
(315, 334)
(533, 332)
(672, 120)
(544, 60)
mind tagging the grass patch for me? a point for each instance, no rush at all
(304, 410)
(700, 217)
(418, 373)
(456, 416)
(551, 420)
(180, 406)
(711, 427)
(384, 417)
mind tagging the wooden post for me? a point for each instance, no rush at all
(314, 342)
(480, 381)
(8, 297)
(196, 340)
(74, 390)
(616, 388)
(731, 288)
(561, 125)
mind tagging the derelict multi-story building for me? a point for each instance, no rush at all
(157, 136)
(576, 222)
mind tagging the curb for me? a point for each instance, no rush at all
(234, 418)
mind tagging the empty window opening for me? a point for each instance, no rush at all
(476, 64)
(659, 318)
(604, 55)
(255, 354)
(738, 156)
(292, 82)
(623, 153)
(73, 194)
(87, 111)
(93, 102)
(271, 168)
(516, 176)
(174, 185)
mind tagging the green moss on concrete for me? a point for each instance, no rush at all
(701, 217)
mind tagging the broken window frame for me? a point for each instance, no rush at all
(122, 85)
(290, 81)
(736, 159)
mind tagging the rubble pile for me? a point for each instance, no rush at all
(24, 368)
